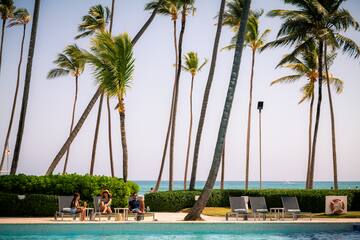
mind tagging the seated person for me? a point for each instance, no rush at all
(105, 202)
(76, 208)
(136, 204)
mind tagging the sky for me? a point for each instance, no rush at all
(284, 121)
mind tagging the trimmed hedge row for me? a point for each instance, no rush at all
(309, 200)
(87, 186)
(35, 205)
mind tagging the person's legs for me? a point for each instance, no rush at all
(108, 210)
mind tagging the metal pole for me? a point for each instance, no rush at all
(260, 148)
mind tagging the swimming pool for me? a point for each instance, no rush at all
(215, 231)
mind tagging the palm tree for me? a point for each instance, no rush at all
(25, 98)
(192, 66)
(95, 21)
(231, 17)
(113, 63)
(255, 40)
(92, 102)
(170, 8)
(67, 63)
(6, 11)
(21, 17)
(306, 67)
(313, 23)
(205, 194)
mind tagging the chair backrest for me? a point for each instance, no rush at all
(258, 203)
(96, 202)
(64, 202)
(290, 203)
(237, 204)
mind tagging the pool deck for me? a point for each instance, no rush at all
(169, 218)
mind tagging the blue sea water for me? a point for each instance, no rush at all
(179, 185)
(162, 231)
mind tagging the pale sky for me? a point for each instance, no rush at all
(148, 101)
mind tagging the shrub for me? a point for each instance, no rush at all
(309, 200)
(87, 186)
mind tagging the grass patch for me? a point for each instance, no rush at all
(220, 212)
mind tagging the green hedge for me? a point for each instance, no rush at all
(34, 205)
(87, 186)
(309, 200)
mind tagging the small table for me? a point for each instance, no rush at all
(125, 212)
(278, 213)
(88, 211)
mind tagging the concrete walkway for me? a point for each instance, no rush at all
(170, 218)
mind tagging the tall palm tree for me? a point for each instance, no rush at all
(21, 18)
(312, 23)
(113, 63)
(255, 41)
(306, 67)
(6, 11)
(67, 63)
(170, 8)
(192, 66)
(25, 98)
(231, 17)
(95, 21)
(205, 194)
(92, 102)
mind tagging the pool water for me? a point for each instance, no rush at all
(249, 231)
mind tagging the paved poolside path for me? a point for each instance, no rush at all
(169, 218)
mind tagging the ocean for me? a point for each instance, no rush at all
(145, 186)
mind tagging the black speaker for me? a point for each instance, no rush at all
(260, 105)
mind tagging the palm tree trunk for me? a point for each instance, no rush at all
(317, 116)
(92, 102)
(190, 131)
(177, 80)
(332, 117)
(206, 97)
(15, 99)
(249, 122)
(2, 40)
(196, 210)
(158, 182)
(25, 99)
(93, 154)
(108, 102)
(123, 138)
(310, 137)
(222, 178)
(72, 120)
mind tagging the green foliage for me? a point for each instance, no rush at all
(309, 200)
(32, 205)
(88, 186)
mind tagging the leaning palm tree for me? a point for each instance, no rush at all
(192, 66)
(21, 18)
(306, 67)
(6, 11)
(312, 22)
(255, 41)
(170, 8)
(95, 21)
(113, 63)
(205, 194)
(92, 102)
(67, 63)
(25, 99)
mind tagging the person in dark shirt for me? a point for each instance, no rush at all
(105, 202)
(136, 204)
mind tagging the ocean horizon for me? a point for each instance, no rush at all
(146, 185)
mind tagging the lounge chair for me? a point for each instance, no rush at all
(98, 212)
(291, 207)
(238, 207)
(258, 207)
(64, 203)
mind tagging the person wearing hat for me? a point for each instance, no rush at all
(105, 202)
